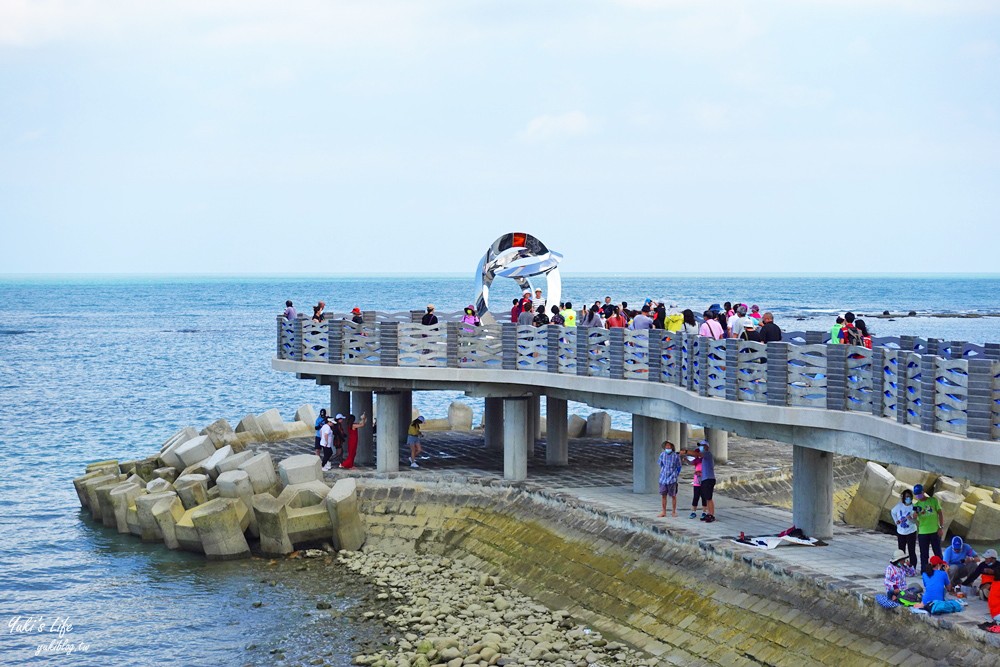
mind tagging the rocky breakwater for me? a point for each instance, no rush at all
(971, 512)
(454, 615)
(211, 493)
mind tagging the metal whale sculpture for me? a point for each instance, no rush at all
(523, 258)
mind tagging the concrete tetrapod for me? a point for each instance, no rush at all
(348, 527)
(233, 462)
(90, 491)
(236, 484)
(985, 524)
(192, 490)
(598, 424)
(195, 450)
(80, 482)
(300, 469)
(873, 492)
(218, 526)
(103, 493)
(211, 464)
(272, 523)
(260, 468)
(122, 496)
(459, 416)
(167, 512)
(147, 522)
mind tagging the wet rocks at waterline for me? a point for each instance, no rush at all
(206, 492)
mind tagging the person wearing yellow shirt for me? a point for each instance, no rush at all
(569, 315)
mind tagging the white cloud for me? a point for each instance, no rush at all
(545, 127)
(983, 48)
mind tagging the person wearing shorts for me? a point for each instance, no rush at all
(704, 456)
(413, 436)
(670, 471)
(696, 487)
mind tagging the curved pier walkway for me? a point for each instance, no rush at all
(920, 403)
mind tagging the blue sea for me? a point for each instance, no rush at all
(97, 367)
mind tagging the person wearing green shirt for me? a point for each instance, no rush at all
(569, 315)
(930, 525)
(835, 331)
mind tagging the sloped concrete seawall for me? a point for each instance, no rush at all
(681, 600)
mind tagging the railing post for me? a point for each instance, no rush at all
(902, 380)
(299, 339)
(280, 352)
(777, 373)
(992, 351)
(616, 353)
(388, 338)
(933, 346)
(702, 369)
(691, 359)
(907, 343)
(655, 354)
(451, 343)
(836, 377)
(508, 341)
(816, 337)
(582, 351)
(928, 389)
(416, 316)
(878, 380)
(552, 334)
(979, 424)
(956, 349)
(335, 341)
(732, 369)
(369, 317)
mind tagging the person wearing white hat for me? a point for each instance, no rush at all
(987, 571)
(896, 573)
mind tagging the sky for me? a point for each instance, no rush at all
(320, 136)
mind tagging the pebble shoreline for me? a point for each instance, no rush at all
(451, 615)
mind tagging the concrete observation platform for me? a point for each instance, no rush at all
(599, 475)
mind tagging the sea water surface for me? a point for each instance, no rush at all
(96, 368)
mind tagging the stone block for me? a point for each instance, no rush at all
(272, 523)
(913, 476)
(195, 450)
(260, 468)
(218, 523)
(300, 469)
(985, 526)
(950, 502)
(996, 496)
(159, 485)
(873, 492)
(101, 465)
(122, 496)
(90, 490)
(78, 483)
(945, 483)
(249, 426)
(236, 484)
(217, 432)
(271, 424)
(348, 526)
(147, 522)
(436, 425)
(179, 437)
(977, 494)
(103, 494)
(167, 512)
(598, 424)
(459, 416)
(233, 462)
(142, 467)
(169, 474)
(963, 519)
(211, 464)
(192, 490)
(576, 426)
(307, 415)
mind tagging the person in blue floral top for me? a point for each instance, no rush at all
(896, 573)
(670, 471)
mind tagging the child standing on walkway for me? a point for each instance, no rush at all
(696, 485)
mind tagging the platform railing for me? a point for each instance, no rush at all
(944, 387)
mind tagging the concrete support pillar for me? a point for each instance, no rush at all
(361, 404)
(387, 440)
(682, 436)
(674, 433)
(648, 435)
(493, 424)
(536, 416)
(340, 401)
(718, 442)
(405, 413)
(812, 491)
(534, 413)
(556, 441)
(515, 439)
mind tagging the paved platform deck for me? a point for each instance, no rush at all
(600, 474)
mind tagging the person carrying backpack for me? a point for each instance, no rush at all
(850, 334)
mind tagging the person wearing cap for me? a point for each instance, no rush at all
(704, 454)
(961, 560)
(429, 318)
(896, 573)
(413, 436)
(987, 571)
(326, 442)
(356, 315)
(470, 317)
(539, 301)
(905, 518)
(935, 581)
(930, 524)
